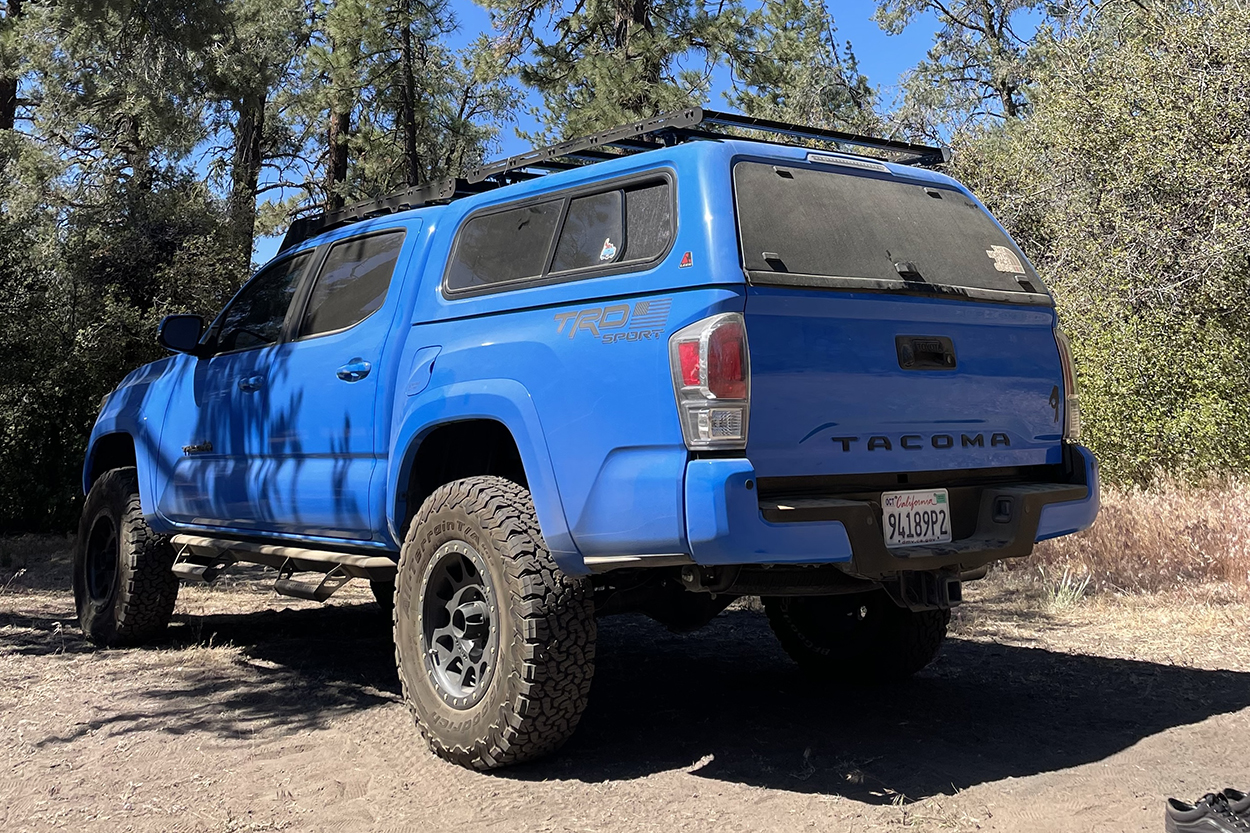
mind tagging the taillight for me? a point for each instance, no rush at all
(1072, 399)
(712, 379)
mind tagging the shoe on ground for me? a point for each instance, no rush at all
(1238, 802)
(1210, 814)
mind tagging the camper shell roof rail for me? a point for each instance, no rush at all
(660, 131)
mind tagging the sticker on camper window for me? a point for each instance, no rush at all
(1005, 260)
(609, 250)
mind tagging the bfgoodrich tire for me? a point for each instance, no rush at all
(856, 638)
(124, 588)
(495, 645)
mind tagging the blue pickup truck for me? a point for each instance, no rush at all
(652, 370)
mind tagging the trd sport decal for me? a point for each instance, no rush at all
(644, 321)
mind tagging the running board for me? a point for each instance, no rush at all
(319, 592)
(286, 558)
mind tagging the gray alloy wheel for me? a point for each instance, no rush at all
(459, 624)
(494, 644)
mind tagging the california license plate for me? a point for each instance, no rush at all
(920, 517)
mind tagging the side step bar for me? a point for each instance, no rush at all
(287, 559)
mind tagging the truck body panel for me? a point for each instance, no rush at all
(576, 367)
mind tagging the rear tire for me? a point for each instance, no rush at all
(495, 645)
(857, 637)
(124, 587)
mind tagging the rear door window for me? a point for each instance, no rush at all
(352, 283)
(255, 315)
(811, 227)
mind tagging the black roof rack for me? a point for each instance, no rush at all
(636, 137)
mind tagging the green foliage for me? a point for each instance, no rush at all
(137, 139)
(611, 62)
(79, 307)
(791, 67)
(382, 101)
(977, 70)
(1129, 185)
(108, 219)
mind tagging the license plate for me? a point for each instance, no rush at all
(920, 517)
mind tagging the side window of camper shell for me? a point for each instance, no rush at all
(583, 233)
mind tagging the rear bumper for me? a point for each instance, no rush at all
(726, 523)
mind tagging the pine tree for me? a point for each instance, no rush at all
(792, 68)
(257, 53)
(615, 61)
(10, 65)
(383, 102)
(978, 68)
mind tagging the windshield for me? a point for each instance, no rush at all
(802, 226)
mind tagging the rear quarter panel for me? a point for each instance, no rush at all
(595, 403)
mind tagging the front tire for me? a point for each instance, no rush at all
(857, 637)
(495, 646)
(124, 587)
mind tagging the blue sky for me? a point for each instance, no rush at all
(883, 58)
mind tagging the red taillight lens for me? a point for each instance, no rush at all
(688, 353)
(711, 366)
(726, 362)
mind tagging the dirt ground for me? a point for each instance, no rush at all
(266, 713)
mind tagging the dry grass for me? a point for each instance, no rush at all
(1162, 539)
(1169, 538)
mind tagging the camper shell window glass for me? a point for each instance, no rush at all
(824, 228)
(503, 247)
(649, 219)
(592, 232)
(600, 229)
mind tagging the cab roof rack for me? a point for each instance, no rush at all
(659, 131)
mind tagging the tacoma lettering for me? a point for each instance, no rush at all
(915, 442)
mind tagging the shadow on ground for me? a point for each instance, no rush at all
(725, 703)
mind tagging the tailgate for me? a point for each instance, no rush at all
(856, 383)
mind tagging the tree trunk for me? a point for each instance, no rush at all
(8, 102)
(336, 166)
(8, 83)
(249, 130)
(412, 162)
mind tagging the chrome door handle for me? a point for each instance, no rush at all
(355, 370)
(251, 383)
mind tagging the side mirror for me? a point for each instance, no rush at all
(180, 333)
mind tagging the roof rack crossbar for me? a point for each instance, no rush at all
(681, 118)
(923, 154)
(625, 140)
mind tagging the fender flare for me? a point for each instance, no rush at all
(507, 402)
(123, 425)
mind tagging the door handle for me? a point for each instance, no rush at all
(251, 383)
(355, 370)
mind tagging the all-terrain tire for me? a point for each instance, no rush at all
(856, 638)
(124, 587)
(532, 698)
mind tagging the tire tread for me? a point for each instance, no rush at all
(552, 612)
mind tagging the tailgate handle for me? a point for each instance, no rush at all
(925, 352)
